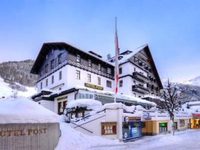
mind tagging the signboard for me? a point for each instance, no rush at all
(164, 124)
(93, 86)
(146, 116)
(40, 136)
(134, 119)
(196, 116)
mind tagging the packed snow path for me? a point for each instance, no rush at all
(183, 140)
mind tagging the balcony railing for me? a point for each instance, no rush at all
(140, 89)
(140, 76)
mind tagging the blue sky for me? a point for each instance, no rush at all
(170, 27)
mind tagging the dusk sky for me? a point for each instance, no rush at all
(171, 28)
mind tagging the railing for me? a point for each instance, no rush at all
(139, 88)
(140, 76)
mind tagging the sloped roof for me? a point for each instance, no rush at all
(46, 47)
(125, 58)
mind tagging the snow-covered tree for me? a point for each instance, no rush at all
(172, 102)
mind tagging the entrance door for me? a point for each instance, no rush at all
(163, 127)
(62, 102)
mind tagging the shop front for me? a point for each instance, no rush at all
(195, 121)
(132, 128)
(163, 127)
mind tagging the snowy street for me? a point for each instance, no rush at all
(183, 140)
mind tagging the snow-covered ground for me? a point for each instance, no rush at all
(7, 91)
(72, 139)
(182, 140)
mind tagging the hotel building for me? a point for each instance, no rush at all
(67, 73)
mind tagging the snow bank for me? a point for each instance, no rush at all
(89, 103)
(23, 110)
(73, 139)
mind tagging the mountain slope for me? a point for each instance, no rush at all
(195, 81)
(6, 90)
(18, 72)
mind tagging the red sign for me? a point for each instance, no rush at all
(196, 116)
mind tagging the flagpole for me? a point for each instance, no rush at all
(116, 61)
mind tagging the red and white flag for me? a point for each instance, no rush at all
(116, 60)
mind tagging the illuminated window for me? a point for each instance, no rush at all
(108, 128)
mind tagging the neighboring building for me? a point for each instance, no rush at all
(67, 73)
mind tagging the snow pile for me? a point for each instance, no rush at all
(6, 91)
(23, 110)
(135, 99)
(89, 103)
(153, 97)
(73, 139)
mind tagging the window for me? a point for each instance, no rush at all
(120, 70)
(40, 85)
(99, 67)
(78, 75)
(52, 63)
(46, 82)
(60, 58)
(78, 59)
(52, 79)
(60, 75)
(120, 83)
(89, 63)
(99, 80)
(109, 70)
(89, 77)
(182, 123)
(46, 68)
(108, 128)
(109, 84)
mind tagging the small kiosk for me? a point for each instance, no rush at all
(132, 128)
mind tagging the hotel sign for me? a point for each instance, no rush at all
(93, 86)
(22, 132)
(24, 136)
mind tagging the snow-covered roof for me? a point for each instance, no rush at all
(89, 103)
(125, 57)
(124, 96)
(23, 110)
